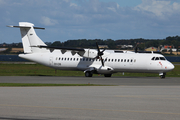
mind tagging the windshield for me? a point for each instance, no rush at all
(158, 58)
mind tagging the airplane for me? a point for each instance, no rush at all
(91, 61)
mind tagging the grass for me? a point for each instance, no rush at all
(34, 70)
(40, 70)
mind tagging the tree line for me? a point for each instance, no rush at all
(112, 44)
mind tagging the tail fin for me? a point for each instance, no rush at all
(29, 38)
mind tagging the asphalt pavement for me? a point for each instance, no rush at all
(140, 98)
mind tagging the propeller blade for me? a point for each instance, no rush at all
(103, 50)
(136, 48)
(99, 54)
(102, 61)
(97, 47)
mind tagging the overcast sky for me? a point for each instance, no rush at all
(91, 19)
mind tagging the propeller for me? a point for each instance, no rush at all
(136, 48)
(99, 54)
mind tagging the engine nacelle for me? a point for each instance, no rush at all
(104, 70)
(101, 69)
(91, 53)
(88, 53)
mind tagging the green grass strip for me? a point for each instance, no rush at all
(40, 70)
(42, 85)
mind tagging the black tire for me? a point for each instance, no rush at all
(107, 75)
(88, 74)
(162, 76)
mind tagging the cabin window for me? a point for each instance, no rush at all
(62, 58)
(115, 60)
(124, 60)
(77, 59)
(134, 60)
(59, 58)
(128, 60)
(121, 60)
(74, 59)
(112, 60)
(109, 60)
(131, 60)
(118, 60)
(68, 59)
(105, 59)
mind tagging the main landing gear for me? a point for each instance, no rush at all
(90, 74)
(162, 75)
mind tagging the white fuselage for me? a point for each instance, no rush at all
(91, 61)
(113, 62)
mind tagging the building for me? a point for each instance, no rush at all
(125, 46)
(168, 48)
(103, 46)
(151, 49)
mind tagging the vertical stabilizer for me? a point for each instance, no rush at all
(29, 38)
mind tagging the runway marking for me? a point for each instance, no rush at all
(132, 111)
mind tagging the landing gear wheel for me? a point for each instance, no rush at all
(88, 74)
(107, 75)
(162, 76)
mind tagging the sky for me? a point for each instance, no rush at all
(91, 19)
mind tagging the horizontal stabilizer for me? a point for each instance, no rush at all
(25, 27)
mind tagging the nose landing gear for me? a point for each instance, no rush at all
(162, 75)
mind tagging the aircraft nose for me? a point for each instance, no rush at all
(170, 66)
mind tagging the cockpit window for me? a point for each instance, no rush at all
(162, 58)
(157, 58)
(153, 58)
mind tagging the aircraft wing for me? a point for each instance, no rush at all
(88, 53)
(61, 48)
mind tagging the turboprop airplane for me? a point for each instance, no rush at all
(91, 61)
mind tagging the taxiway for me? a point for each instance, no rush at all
(131, 81)
(132, 98)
